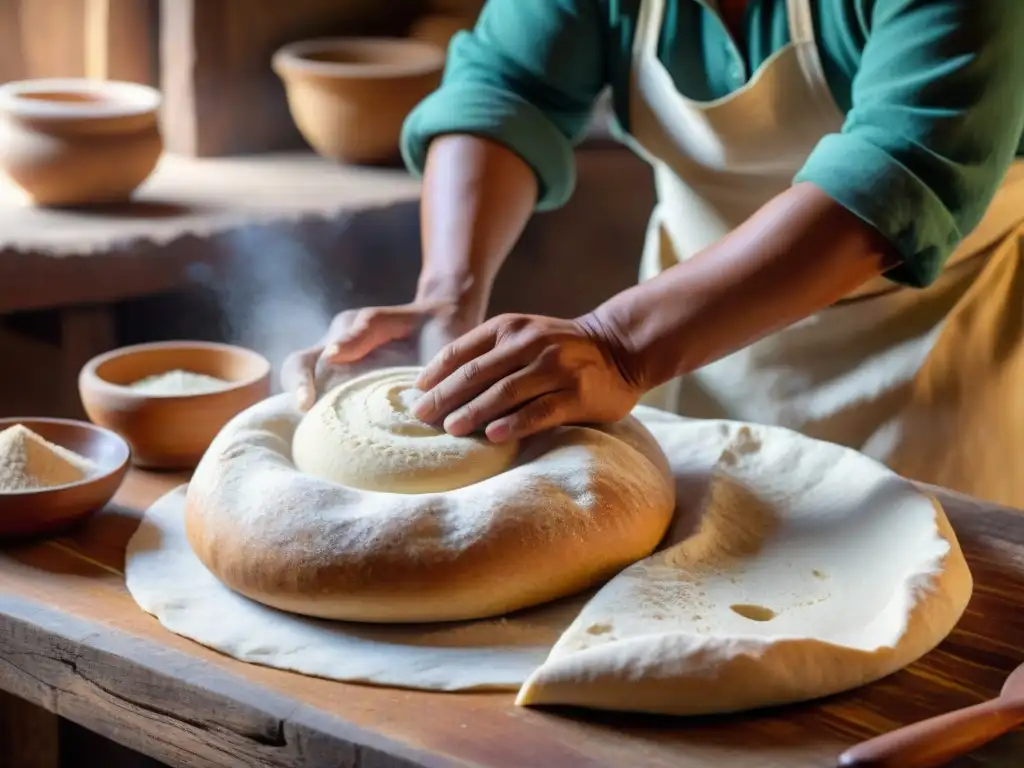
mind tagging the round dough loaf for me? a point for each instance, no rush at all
(362, 434)
(571, 508)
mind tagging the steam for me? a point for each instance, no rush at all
(272, 290)
(279, 285)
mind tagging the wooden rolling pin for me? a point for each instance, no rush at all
(935, 742)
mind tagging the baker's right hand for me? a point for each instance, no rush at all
(355, 334)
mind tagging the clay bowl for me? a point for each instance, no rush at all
(51, 510)
(350, 96)
(78, 142)
(171, 431)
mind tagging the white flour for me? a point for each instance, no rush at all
(28, 462)
(178, 382)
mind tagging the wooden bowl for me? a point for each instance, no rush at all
(50, 510)
(349, 96)
(171, 431)
(78, 141)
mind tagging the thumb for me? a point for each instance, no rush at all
(297, 376)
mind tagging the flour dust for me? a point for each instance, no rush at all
(271, 291)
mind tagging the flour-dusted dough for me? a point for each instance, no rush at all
(813, 570)
(362, 434)
(890, 584)
(578, 505)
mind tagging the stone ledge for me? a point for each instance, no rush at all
(52, 257)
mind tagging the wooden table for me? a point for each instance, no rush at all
(73, 641)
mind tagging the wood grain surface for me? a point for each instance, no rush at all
(73, 641)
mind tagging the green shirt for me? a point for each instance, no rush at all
(933, 92)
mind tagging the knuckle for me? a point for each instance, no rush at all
(552, 358)
(540, 411)
(502, 329)
(508, 390)
(470, 372)
(510, 325)
(529, 339)
(449, 355)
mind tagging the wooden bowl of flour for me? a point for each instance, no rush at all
(54, 473)
(170, 399)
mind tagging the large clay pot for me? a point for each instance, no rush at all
(76, 141)
(350, 96)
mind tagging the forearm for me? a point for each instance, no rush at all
(477, 198)
(797, 255)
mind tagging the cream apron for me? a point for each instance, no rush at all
(929, 381)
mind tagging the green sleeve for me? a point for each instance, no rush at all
(936, 118)
(528, 77)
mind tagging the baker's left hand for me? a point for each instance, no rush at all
(516, 375)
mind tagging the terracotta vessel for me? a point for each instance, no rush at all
(53, 510)
(78, 142)
(171, 431)
(439, 29)
(350, 96)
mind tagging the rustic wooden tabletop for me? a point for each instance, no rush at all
(73, 641)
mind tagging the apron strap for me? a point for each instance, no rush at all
(801, 33)
(645, 50)
(648, 30)
(801, 23)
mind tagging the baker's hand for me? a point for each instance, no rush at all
(355, 334)
(517, 375)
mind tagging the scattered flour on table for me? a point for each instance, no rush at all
(28, 462)
(178, 382)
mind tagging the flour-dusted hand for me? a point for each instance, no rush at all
(517, 375)
(355, 334)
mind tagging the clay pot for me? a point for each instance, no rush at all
(78, 142)
(439, 29)
(47, 511)
(350, 96)
(171, 431)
